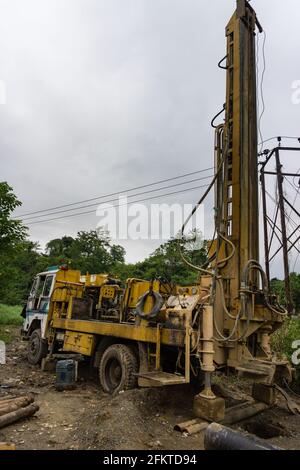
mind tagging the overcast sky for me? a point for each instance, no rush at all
(105, 95)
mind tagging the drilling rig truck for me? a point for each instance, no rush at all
(147, 334)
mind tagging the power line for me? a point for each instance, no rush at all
(113, 194)
(113, 200)
(119, 205)
(282, 136)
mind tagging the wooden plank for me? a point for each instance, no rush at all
(162, 378)
(17, 415)
(7, 446)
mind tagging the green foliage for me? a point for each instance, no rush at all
(166, 263)
(89, 252)
(295, 289)
(60, 247)
(19, 266)
(10, 320)
(12, 237)
(283, 338)
(11, 230)
(10, 315)
(277, 286)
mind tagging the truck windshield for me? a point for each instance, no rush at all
(40, 287)
(34, 287)
(47, 286)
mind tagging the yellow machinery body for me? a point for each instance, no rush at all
(80, 317)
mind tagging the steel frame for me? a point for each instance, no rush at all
(278, 222)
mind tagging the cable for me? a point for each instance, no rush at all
(199, 268)
(289, 221)
(116, 193)
(276, 137)
(118, 205)
(114, 200)
(219, 132)
(288, 218)
(296, 261)
(257, 74)
(221, 62)
(296, 196)
(254, 265)
(262, 88)
(217, 115)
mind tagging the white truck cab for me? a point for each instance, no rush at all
(35, 314)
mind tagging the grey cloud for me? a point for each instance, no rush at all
(104, 95)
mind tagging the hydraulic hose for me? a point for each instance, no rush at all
(158, 302)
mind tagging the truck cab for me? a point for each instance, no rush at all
(35, 314)
(37, 306)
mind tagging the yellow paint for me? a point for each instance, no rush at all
(79, 343)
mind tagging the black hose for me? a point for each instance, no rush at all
(220, 63)
(217, 115)
(158, 302)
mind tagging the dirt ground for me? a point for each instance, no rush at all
(86, 418)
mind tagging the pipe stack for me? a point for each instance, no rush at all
(16, 408)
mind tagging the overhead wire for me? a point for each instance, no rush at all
(114, 200)
(83, 201)
(279, 136)
(118, 205)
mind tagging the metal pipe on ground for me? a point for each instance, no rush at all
(219, 437)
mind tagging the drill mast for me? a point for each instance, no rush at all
(244, 316)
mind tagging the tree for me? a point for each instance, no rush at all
(12, 235)
(295, 290)
(20, 266)
(88, 252)
(60, 247)
(117, 253)
(166, 263)
(11, 230)
(278, 288)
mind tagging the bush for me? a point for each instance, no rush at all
(10, 315)
(283, 338)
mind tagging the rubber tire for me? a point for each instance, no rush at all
(41, 348)
(127, 362)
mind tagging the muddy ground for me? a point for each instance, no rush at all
(86, 418)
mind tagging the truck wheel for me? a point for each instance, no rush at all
(37, 348)
(117, 369)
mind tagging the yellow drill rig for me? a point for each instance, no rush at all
(145, 334)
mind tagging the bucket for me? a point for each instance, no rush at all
(65, 375)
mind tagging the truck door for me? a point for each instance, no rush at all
(38, 301)
(34, 296)
(44, 297)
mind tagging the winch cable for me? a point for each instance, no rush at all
(196, 207)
